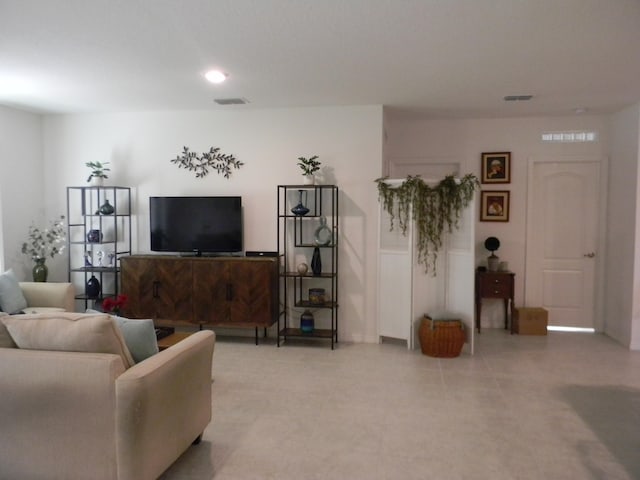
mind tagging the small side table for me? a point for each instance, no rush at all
(495, 285)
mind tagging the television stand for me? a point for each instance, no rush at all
(202, 292)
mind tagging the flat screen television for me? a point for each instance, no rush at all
(196, 225)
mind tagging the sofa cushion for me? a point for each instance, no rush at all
(71, 332)
(5, 339)
(11, 298)
(139, 335)
(43, 310)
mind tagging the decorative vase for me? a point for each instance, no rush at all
(40, 271)
(493, 262)
(106, 208)
(307, 322)
(316, 262)
(302, 268)
(92, 288)
(94, 236)
(308, 179)
(323, 233)
(300, 209)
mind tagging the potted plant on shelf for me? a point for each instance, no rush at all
(309, 166)
(98, 174)
(42, 244)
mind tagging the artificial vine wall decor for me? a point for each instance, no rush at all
(432, 208)
(220, 162)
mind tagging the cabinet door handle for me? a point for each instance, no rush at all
(156, 287)
(229, 292)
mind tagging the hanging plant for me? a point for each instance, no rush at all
(220, 162)
(432, 209)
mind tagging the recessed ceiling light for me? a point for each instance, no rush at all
(215, 76)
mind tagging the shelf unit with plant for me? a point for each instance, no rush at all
(99, 235)
(304, 235)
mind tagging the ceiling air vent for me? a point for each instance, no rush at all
(517, 98)
(231, 101)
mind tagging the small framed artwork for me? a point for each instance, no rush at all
(494, 206)
(496, 167)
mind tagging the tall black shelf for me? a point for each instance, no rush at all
(297, 240)
(83, 215)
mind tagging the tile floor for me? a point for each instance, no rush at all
(564, 406)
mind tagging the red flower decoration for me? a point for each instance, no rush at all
(111, 305)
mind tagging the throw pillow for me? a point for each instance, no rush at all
(11, 298)
(68, 332)
(5, 339)
(139, 335)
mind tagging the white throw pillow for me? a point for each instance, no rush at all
(68, 332)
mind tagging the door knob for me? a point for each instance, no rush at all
(590, 254)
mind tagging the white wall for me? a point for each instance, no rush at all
(419, 140)
(140, 146)
(21, 179)
(622, 293)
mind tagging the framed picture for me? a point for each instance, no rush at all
(496, 167)
(494, 206)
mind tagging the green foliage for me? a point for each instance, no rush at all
(45, 243)
(98, 170)
(433, 209)
(309, 165)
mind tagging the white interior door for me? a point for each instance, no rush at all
(564, 210)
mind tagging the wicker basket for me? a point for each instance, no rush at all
(441, 338)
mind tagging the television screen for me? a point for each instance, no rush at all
(196, 224)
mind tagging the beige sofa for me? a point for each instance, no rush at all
(76, 415)
(48, 296)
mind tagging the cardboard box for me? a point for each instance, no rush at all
(530, 321)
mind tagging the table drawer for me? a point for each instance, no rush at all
(497, 290)
(495, 285)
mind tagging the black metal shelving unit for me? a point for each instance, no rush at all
(83, 215)
(297, 240)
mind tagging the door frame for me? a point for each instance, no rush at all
(598, 304)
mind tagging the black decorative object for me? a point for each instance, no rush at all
(307, 323)
(493, 261)
(220, 162)
(92, 289)
(106, 208)
(316, 262)
(300, 209)
(94, 236)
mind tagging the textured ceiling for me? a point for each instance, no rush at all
(439, 57)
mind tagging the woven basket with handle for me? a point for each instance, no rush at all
(441, 338)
